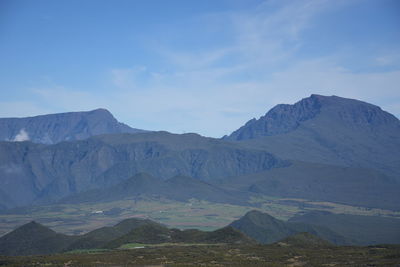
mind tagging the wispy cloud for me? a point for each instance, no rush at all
(21, 136)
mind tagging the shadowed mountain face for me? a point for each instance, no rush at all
(330, 130)
(55, 128)
(180, 188)
(41, 173)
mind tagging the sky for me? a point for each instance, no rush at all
(204, 66)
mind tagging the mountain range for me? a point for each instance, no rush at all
(322, 148)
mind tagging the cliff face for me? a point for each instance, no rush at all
(55, 128)
(36, 172)
(284, 118)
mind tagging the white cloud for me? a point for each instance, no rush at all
(21, 136)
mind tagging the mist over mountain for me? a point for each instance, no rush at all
(328, 129)
(55, 128)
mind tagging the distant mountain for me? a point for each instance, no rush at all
(328, 129)
(55, 128)
(322, 182)
(363, 230)
(33, 238)
(179, 188)
(37, 173)
(267, 229)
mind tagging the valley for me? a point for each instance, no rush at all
(198, 214)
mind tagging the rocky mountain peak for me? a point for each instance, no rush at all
(55, 128)
(284, 118)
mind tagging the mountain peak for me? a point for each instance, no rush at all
(55, 128)
(284, 118)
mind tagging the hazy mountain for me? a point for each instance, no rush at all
(338, 150)
(180, 188)
(328, 129)
(41, 173)
(363, 230)
(322, 182)
(33, 238)
(55, 128)
(267, 229)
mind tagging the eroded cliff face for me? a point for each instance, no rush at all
(55, 128)
(49, 172)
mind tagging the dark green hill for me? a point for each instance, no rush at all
(157, 234)
(99, 237)
(267, 229)
(33, 238)
(363, 230)
(304, 240)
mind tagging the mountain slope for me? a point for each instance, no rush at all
(322, 182)
(267, 229)
(33, 238)
(55, 128)
(180, 188)
(363, 230)
(42, 173)
(330, 130)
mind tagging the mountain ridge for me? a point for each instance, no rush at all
(58, 127)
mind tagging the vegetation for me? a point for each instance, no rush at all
(220, 255)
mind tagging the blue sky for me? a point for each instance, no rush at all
(194, 66)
